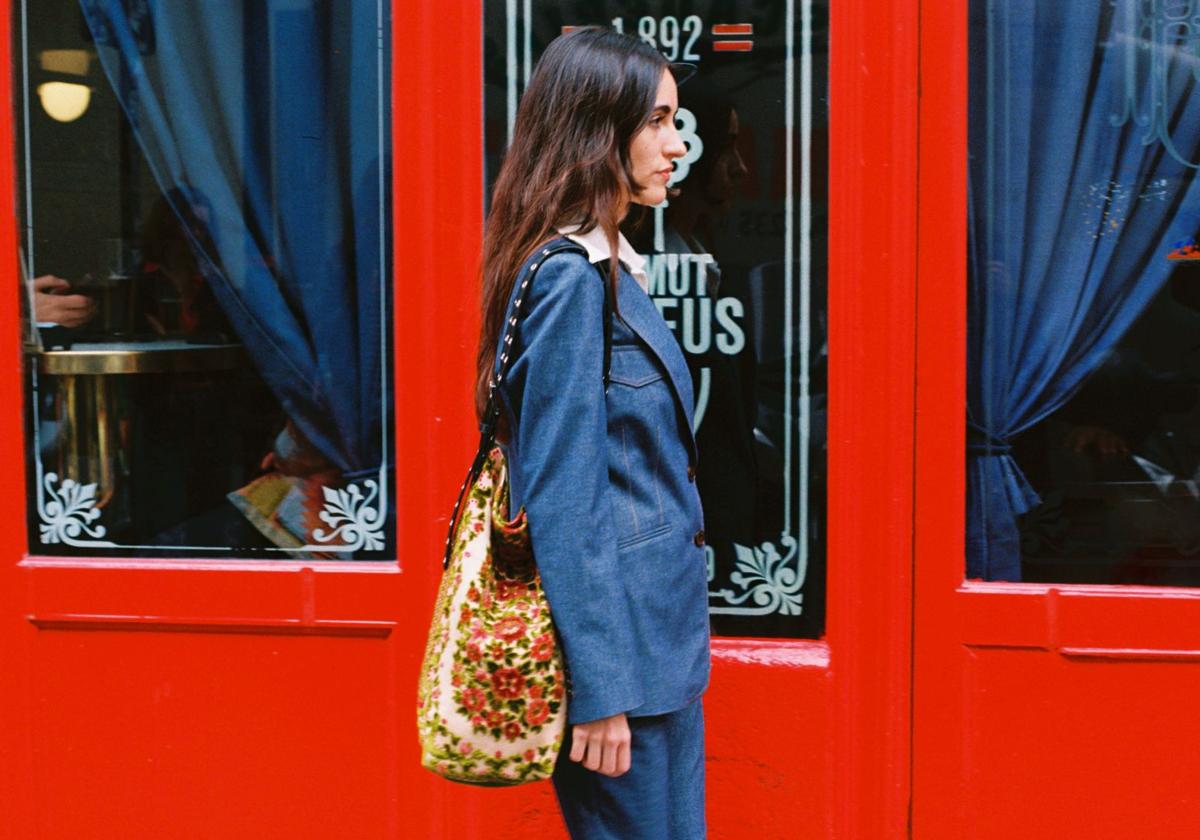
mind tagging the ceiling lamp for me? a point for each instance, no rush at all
(64, 101)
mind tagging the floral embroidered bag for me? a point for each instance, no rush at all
(492, 702)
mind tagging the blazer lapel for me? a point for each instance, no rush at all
(640, 314)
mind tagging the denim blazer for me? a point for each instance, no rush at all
(607, 479)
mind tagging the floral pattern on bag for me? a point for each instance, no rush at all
(492, 698)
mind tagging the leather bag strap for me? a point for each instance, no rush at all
(491, 414)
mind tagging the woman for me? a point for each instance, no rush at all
(605, 471)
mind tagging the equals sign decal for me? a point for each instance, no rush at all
(742, 44)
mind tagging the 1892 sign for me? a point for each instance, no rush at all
(737, 268)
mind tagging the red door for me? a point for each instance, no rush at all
(220, 697)
(176, 697)
(1041, 709)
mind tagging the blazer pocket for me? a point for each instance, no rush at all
(643, 536)
(634, 367)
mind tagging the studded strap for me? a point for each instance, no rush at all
(491, 414)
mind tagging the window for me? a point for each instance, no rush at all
(737, 269)
(205, 254)
(1084, 311)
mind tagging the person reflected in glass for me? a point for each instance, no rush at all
(740, 472)
(56, 303)
(708, 192)
(605, 471)
(176, 299)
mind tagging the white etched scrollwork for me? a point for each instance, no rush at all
(67, 512)
(769, 582)
(355, 519)
(1155, 37)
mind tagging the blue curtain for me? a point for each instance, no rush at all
(262, 123)
(1084, 123)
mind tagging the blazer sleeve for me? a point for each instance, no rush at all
(559, 473)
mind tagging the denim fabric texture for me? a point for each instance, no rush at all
(604, 478)
(660, 798)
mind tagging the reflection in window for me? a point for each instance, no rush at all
(736, 265)
(207, 283)
(1084, 295)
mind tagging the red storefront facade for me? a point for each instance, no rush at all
(181, 698)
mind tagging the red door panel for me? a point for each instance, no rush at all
(170, 735)
(1039, 711)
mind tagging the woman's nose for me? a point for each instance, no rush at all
(675, 147)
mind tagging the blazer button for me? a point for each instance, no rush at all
(691, 473)
(699, 539)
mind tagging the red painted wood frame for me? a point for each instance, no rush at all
(1040, 710)
(227, 699)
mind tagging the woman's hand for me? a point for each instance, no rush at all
(602, 745)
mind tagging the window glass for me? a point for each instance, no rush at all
(1083, 460)
(205, 261)
(737, 268)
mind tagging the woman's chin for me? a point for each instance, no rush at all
(651, 196)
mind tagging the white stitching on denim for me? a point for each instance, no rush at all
(614, 373)
(657, 463)
(644, 537)
(629, 471)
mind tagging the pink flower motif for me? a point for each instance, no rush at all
(537, 712)
(495, 720)
(499, 754)
(474, 699)
(481, 675)
(530, 755)
(473, 652)
(508, 590)
(543, 648)
(512, 731)
(465, 747)
(508, 683)
(509, 629)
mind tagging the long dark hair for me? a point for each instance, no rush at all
(568, 164)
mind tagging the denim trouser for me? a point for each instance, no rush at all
(660, 798)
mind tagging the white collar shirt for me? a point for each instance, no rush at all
(596, 245)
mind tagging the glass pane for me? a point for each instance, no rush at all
(205, 212)
(737, 269)
(1083, 460)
